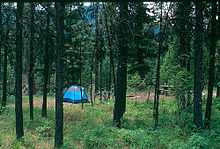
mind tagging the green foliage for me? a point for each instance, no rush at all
(99, 137)
(197, 142)
(169, 67)
(92, 128)
(135, 83)
(45, 130)
(179, 78)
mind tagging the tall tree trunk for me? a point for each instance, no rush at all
(218, 92)
(46, 69)
(18, 71)
(211, 72)
(91, 81)
(138, 39)
(218, 65)
(183, 29)
(112, 57)
(183, 32)
(198, 70)
(31, 64)
(97, 53)
(111, 66)
(100, 80)
(60, 8)
(121, 83)
(0, 41)
(80, 72)
(157, 84)
(4, 91)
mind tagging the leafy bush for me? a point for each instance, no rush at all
(197, 142)
(99, 138)
(135, 83)
(45, 130)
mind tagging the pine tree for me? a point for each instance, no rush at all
(60, 7)
(157, 83)
(31, 63)
(198, 60)
(121, 81)
(18, 71)
(211, 72)
(97, 51)
(183, 30)
(0, 43)
(218, 51)
(46, 68)
(5, 68)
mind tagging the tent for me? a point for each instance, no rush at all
(75, 94)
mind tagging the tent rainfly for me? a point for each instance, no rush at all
(75, 94)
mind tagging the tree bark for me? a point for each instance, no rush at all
(100, 81)
(198, 70)
(121, 83)
(157, 84)
(46, 69)
(97, 53)
(91, 81)
(60, 7)
(138, 39)
(31, 64)
(218, 51)
(0, 41)
(218, 92)
(18, 71)
(4, 91)
(211, 72)
(183, 30)
(111, 66)
(80, 73)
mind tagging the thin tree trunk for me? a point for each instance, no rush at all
(100, 80)
(218, 35)
(111, 66)
(31, 64)
(112, 59)
(148, 94)
(121, 83)
(60, 8)
(157, 85)
(4, 91)
(18, 71)
(91, 82)
(46, 69)
(198, 72)
(218, 92)
(80, 75)
(0, 41)
(97, 53)
(211, 72)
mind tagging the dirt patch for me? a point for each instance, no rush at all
(142, 96)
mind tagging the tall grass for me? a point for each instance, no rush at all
(91, 128)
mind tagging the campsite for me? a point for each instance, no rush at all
(110, 74)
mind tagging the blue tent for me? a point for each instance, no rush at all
(75, 94)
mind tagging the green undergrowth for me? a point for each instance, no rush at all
(91, 128)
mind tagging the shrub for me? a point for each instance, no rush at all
(197, 142)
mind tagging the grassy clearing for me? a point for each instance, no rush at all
(92, 127)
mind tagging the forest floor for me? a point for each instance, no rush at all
(92, 127)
